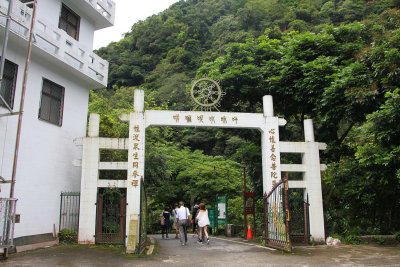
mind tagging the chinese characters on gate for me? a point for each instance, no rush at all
(272, 143)
(203, 119)
(136, 139)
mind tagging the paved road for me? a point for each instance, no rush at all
(220, 252)
(223, 252)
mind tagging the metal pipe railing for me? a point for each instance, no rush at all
(21, 106)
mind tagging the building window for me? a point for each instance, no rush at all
(28, 3)
(7, 89)
(52, 102)
(69, 22)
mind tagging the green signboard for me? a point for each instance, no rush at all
(222, 209)
(211, 217)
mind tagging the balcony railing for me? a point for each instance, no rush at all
(56, 42)
(105, 7)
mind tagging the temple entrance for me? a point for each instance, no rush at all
(111, 223)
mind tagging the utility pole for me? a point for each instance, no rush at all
(244, 200)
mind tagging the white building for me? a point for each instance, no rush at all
(62, 70)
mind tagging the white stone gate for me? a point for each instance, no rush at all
(140, 119)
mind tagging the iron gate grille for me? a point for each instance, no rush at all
(277, 217)
(111, 215)
(299, 221)
(69, 211)
(7, 221)
(143, 218)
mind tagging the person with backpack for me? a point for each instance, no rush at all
(165, 222)
(194, 215)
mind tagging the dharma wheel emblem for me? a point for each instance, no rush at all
(206, 94)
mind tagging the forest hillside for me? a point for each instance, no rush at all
(337, 62)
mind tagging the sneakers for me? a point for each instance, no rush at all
(208, 241)
(199, 242)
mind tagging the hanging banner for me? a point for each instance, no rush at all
(249, 203)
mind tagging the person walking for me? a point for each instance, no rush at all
(165, 222)
(175, 224)
(203, 222)
(183, 215)
(194, 215)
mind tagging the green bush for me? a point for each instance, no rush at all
(397, 236)
(380, 240)
(68, 236)
(352, 239)
(235, 210)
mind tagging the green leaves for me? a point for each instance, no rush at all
(372, 176)
(188, 175)
(338, 75)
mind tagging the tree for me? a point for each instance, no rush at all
(368, 184)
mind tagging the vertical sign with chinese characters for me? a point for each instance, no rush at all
(135, 175)
(136, 155)
(272, 144)
(271, 155)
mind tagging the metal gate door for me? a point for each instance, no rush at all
(276, 213)
(299, 213)
(69, 211)
(111, 210)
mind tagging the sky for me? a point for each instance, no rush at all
(126, 14)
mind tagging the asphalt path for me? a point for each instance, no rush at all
(220, 252)
(236, 252)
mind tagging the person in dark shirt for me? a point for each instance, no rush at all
(165, 222)
(194, 214)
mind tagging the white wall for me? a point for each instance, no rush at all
(8, 125)
(46, 150)
(49, 10)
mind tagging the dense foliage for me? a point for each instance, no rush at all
(337, 62)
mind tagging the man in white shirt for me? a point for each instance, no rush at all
(182, 215)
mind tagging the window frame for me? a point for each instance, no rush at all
(14, 83)
(65, 20)
(61, 110)
(28, 3)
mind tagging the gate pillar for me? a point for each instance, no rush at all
(89, 177)
(135, 170)
(312, 180)
(270, 146)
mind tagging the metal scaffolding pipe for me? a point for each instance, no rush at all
(21, 106)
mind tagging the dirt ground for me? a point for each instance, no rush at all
(220, 252)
